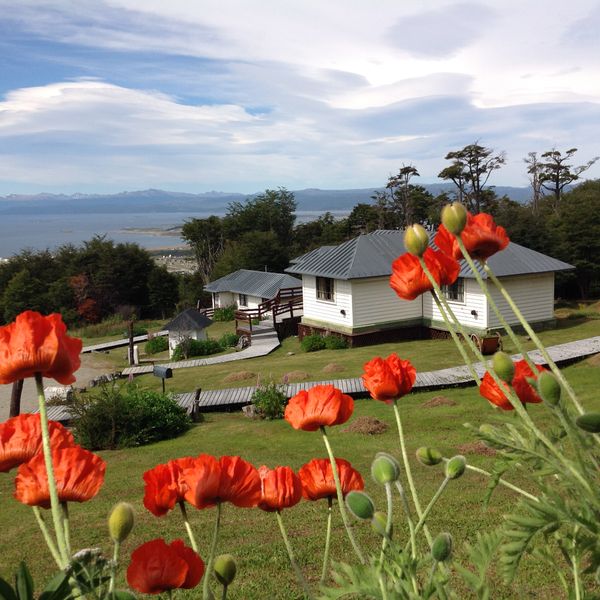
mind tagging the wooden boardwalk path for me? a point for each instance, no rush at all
(234, 398)
(120, 343)
(264, 341)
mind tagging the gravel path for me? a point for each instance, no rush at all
(92, 365)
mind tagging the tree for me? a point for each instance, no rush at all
(23, 292)
(555, 173)
(163, 292)
(205, 238)
(470, 171)
(534, 172)
(399, 189)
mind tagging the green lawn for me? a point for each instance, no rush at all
(252, 535)
(426, 355)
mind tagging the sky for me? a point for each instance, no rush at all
(100, 96)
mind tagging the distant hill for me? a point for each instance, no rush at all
(311, 199)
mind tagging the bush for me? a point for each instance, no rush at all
(270, 401)
(229, 340)
(157, 344)
(190, 348)
(335, 342)
(224, 314)
(125, 416)
(312, 343)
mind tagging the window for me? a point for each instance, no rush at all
(242, 300)
(456, 291)
(325, 289)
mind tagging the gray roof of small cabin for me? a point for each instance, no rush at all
(253, 283)
(188, 320)
(372, 254)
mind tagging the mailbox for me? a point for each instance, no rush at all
(163, 372)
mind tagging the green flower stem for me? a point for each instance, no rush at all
(206, 595)
(576, 578)
(431, 504)
(47, 537)
(406, 508)
(290, 552)
(535, 339)
(54, 502)
(65, 514)
(113, 567)
(224, 594)
(501, 481)
(340, 497)
(188, 527)
(409, 477)
(384, 594)
(327, 541)
(388, 523)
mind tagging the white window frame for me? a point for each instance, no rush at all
(242, 299)
(455, 292)
(325, 289)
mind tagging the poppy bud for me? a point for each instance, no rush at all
(379, 523)
(360, 505)
(385, 468)
(454, 217)
(416, 239)
(120, 521)
(225, 568)
(456, 466)
(549, 388)
(589, 422)
(503, 366)
(429, 456)
(441, 549)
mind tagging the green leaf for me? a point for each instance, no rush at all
(122, 595)
(57, 588)
(6, 591)
(24, 582)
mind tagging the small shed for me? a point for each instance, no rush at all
(189, 324)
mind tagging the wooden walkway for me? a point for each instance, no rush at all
(264, 341)
(234, 398)
(120, 343)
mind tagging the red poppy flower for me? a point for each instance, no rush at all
(320, 405)
(201, 478)
(158, 567)
(21, 439)
(481, 236)
(79, 475)
(408, 279)
(165, 485)
(38, 344)
(317, 478)
(526, 393)
(280, 488)
(388, 378)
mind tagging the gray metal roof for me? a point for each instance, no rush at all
(253, 283)
(372, 254)
(188, 320)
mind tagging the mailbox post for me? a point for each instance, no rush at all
(163, 373)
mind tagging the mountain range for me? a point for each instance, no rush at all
(311, 199)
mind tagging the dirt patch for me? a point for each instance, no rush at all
(293, 376)
(594, 361)
(239, 376)
(333, 368)
(438, 401)
(477, 447)
(366, 426)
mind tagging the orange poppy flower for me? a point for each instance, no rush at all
(165, 485)
(202, 477)
(526, 393)
(79, 475)
(388, 378)
(317, 478)
(319, 406)
(408, 279)
(158, 567)
(21, 439)
(38, 344)
(481, 236)
(280, 488)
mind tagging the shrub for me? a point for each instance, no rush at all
(224, 314)
(189, 348)
(229, 340)
(125, 416)
(269, 401)
(157, 344)
(312, 343)
(335, 342)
